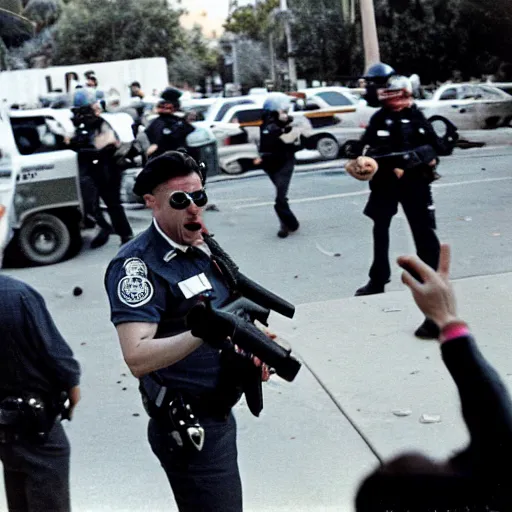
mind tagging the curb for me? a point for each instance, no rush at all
(312, 166)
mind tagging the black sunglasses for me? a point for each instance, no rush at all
(181, 200)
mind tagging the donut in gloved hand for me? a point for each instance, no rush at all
(362, 168)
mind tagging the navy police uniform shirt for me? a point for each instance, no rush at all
(154, 280)
(169, 133)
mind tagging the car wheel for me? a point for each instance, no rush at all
(44, 239)
(491, 123)
(233, 168)
(328, 147)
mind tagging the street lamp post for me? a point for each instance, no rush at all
(292, 70)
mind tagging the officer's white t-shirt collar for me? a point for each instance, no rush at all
(175, 245)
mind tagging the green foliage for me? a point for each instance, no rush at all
(43, 12)
(194, 61)
(423, 37)
(100, 30)
(327, 53)
(430, 37)
(252, 21)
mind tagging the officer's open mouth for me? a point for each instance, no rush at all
(193, 226)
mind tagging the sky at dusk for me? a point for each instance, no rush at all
(210, 14)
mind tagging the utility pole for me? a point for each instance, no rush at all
(292, 70)
(370, 38)
(273, 76)
(236, 68)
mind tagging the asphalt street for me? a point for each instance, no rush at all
(303, 453)
(329, 257)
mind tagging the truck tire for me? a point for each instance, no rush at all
(44, 239)
(328, 147)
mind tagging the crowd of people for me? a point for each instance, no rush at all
(191, 374)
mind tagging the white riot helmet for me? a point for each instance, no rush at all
(416, 84)
(277, 102)
(398, 92)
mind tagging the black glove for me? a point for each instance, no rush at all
(205, 324)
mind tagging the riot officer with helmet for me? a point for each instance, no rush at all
(168, 132)
(96, 144)
(279, 142)
(398, 153)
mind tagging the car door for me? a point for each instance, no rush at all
(249, 119)
(460, 110)
(494, 107)
(48, 170)
(338, 99)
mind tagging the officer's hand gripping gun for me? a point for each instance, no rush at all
(232, 326)
(235, 322)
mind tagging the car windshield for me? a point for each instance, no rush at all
(492, 93)
(222, 111)
(336, 99)
(198, 110)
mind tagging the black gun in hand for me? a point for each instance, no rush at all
(421, 155)
(235, 322)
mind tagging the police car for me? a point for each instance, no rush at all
(40, 199)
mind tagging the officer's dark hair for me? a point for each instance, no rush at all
(158, 170)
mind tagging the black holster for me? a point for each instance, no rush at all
(27, 417)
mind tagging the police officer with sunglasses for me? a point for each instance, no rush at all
(152, 283)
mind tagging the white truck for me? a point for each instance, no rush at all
(25, 87)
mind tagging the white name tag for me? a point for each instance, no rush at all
(382, 133)
(194, 285)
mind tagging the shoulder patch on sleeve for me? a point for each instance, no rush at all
(135, 289)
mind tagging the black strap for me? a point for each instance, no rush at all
(227, 266)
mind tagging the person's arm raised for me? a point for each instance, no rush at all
(486, 404)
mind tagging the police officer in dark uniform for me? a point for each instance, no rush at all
(168, 132)
(152, 284)
(278, 145)
(38, 375)
(96, 144)
(406, 149)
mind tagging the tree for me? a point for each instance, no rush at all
(330, 52)
(195, 61)
(37, 51)
(422, 37)
(100, 30)
(252, 21)
(43, 12)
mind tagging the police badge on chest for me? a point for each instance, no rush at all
(135, 289)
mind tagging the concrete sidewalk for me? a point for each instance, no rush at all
(318, 436)
(362, 350)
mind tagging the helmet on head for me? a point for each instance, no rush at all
(83, 98)
(172, 96)
(379, 72)
(416, 85)
(376, 76)
(397, 93)
(277, 101)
